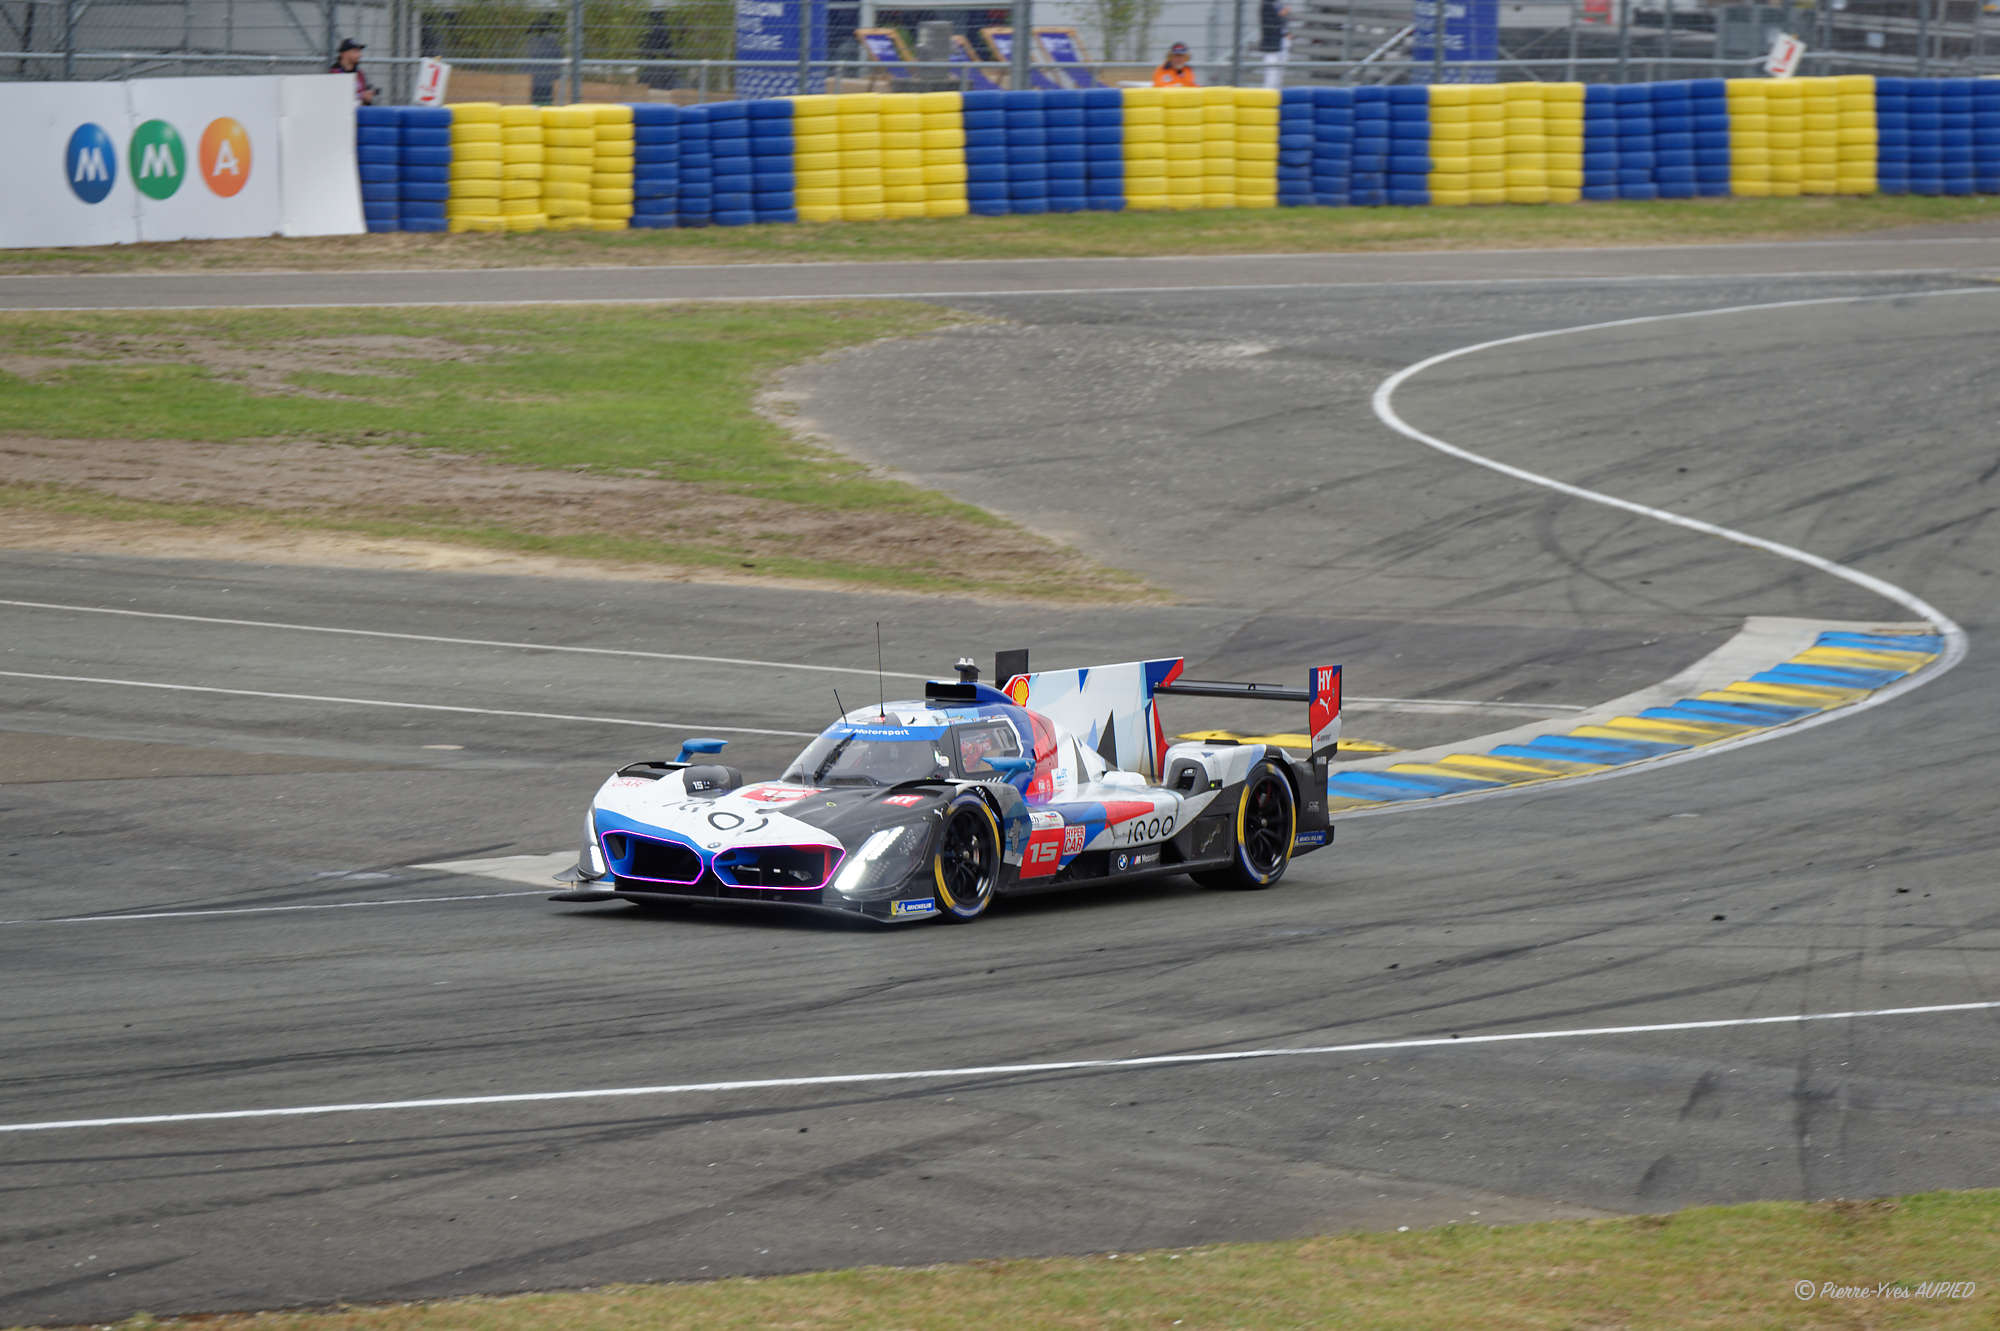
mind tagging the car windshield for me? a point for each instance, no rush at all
(871, 756)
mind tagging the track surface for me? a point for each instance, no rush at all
(1848, 868)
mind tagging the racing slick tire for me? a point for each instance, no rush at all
(1266, 826)
(966, 863)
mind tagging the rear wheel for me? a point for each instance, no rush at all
(966, 864)
(1266, 825)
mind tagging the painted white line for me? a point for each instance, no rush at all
(1081, 289)
(1955, 645)
(695, 726)
(276, 910)
(511, 868)
(978, 1072)
(453, 642)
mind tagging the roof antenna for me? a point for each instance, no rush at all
(881, 689)
(842, 706)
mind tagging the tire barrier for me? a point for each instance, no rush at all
(867, 156)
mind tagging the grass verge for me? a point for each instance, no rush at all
(622, 435)
(1867, 1265)
(1075, 235)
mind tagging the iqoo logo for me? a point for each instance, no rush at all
(157, 159)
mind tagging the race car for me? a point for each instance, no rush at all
(932, 808)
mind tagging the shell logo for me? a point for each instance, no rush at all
(1017, 689)
(224, 157)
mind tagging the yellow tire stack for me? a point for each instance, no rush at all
(1185, 122)
(1562, 118)
(521, 168)
(1145, 149)
(816, 157)
(569, 150)
(475, 168)
(863, 180)
(1487, 143)
(613, 152)
(1787, 103)
(944, 153)
(1257, 147)
(1819, 152)
(1856, 136)
(903, 191)
(1527, 143)
(1749, 137)
(1218, 147)
(1451, 144)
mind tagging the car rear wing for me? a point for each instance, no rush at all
(1112, 708)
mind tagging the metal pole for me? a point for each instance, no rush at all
(1569, 69)
(69, 40)
(1667, 34)
(1236, 44)
(1024, 29)
(1438, 21)
(332, 30)
(1347, 43)
(1923, 37)
(805, 45)
(575, 51)
(1624, 39)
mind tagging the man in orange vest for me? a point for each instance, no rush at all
(1175, 72)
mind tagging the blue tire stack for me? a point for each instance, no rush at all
(1368, 181)
(425, 187)
(656, 156)
(1409, 145)
(1632, 104)
(1104, 150)
(695, 197)
(1333, 145)
(1295, 147)
(1673, 139)
(1892, 136)
(985, 121)
(1926, 102)
(1955, 123)
(1027, 152)
(378, 154)
(772, 195)
(1986, 136)
(1708, 100)
(1062, 123)
(735, 178)
(1600, 142)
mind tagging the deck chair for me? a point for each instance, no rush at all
(1000, 41)
(979, 73)
(885, 50)
(1064, 48)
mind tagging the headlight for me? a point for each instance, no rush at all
(885, 859)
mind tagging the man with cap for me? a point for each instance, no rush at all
(1174, 71)
(348, 61)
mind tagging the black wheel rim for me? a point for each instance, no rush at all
(965, 860)
(1267, 826)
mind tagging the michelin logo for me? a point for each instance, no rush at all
(926, 906)
(1311, 839)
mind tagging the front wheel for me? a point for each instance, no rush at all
(967, 862)
(1266, 826)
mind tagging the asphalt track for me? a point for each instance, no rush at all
(1843, 870)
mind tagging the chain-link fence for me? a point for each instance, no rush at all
(552, 51)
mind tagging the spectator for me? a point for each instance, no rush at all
(1274, 39)
(547, 53)
(1174, 71)
(348, 61)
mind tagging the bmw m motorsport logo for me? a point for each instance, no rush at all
(91, 163)
(158, 160)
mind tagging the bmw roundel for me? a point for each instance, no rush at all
(90, 163)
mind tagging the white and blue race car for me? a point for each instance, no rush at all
(934, 807)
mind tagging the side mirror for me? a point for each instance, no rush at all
(1010, 764)
(690, 747)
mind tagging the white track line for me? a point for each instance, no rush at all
(407, 706)
(988, 1070)
(454, 642)
(1955, 646)
(274, 910)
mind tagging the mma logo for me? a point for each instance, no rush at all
(91, 163)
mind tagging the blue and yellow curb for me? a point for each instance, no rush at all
(1720, 700)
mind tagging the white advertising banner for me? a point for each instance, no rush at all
(318, 193)
(204, 157)
(63, 158)
(175, 159)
